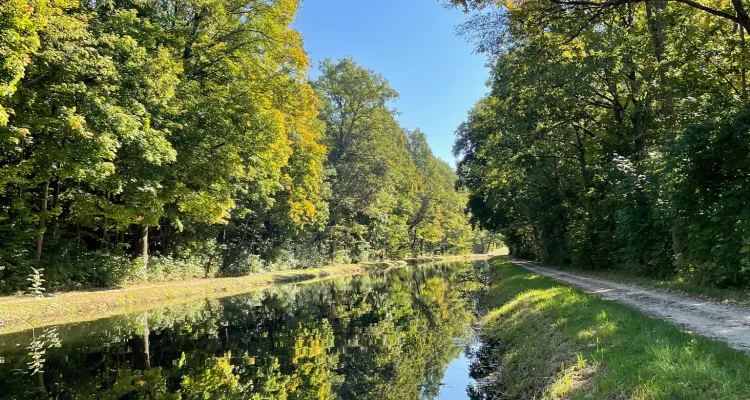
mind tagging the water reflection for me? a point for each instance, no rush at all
(374, 336)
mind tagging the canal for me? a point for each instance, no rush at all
(403, 333)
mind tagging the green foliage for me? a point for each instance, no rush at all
(186, 134)
(149, 384)
(38, 347)
(612, 137)
(216, 381)
(389, 192)
(36, 282)
(708, 189)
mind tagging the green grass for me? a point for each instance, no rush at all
(548, 340)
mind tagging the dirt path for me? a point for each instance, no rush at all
(725, 322)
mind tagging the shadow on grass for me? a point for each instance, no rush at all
(545, 339)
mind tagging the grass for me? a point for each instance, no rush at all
(547, 340)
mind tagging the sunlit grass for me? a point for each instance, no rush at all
(558, 342)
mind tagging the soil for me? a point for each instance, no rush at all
(729, 323)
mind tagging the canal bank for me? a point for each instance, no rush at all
(544, 339)
(18, 313)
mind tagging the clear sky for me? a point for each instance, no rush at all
(413, 44)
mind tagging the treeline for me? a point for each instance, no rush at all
(168, 139)
(616, 135)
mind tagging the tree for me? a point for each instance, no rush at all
(567, 155)
(176, 139)
(367, 156)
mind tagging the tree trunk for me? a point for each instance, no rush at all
(42, 221)
(677, 245)
(639, 124)
(143, 247)
(40, 380)
(414, 243)
(659, 38)
(55, 202)
(742, 15)
(145, 360)
(742, 64)
(582, 158)
(105, 229)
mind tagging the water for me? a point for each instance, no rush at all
(456, 379)
(398, 335)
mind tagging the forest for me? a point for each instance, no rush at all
(170, 139)
(616, 135)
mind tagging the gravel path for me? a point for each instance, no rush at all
(728, 323)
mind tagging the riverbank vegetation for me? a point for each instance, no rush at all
(158, 140)
(543, 339)
(615, 135)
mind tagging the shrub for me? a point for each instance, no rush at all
(708, 187)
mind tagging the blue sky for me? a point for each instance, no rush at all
(413, 44)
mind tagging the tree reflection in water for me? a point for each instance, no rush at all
(371, 336)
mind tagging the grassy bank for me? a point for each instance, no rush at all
(544, 339)
(18, 313)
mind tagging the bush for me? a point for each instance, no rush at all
(242, 264)
(708, 186)
(71, 268)
(166, 268)
(67, 268)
